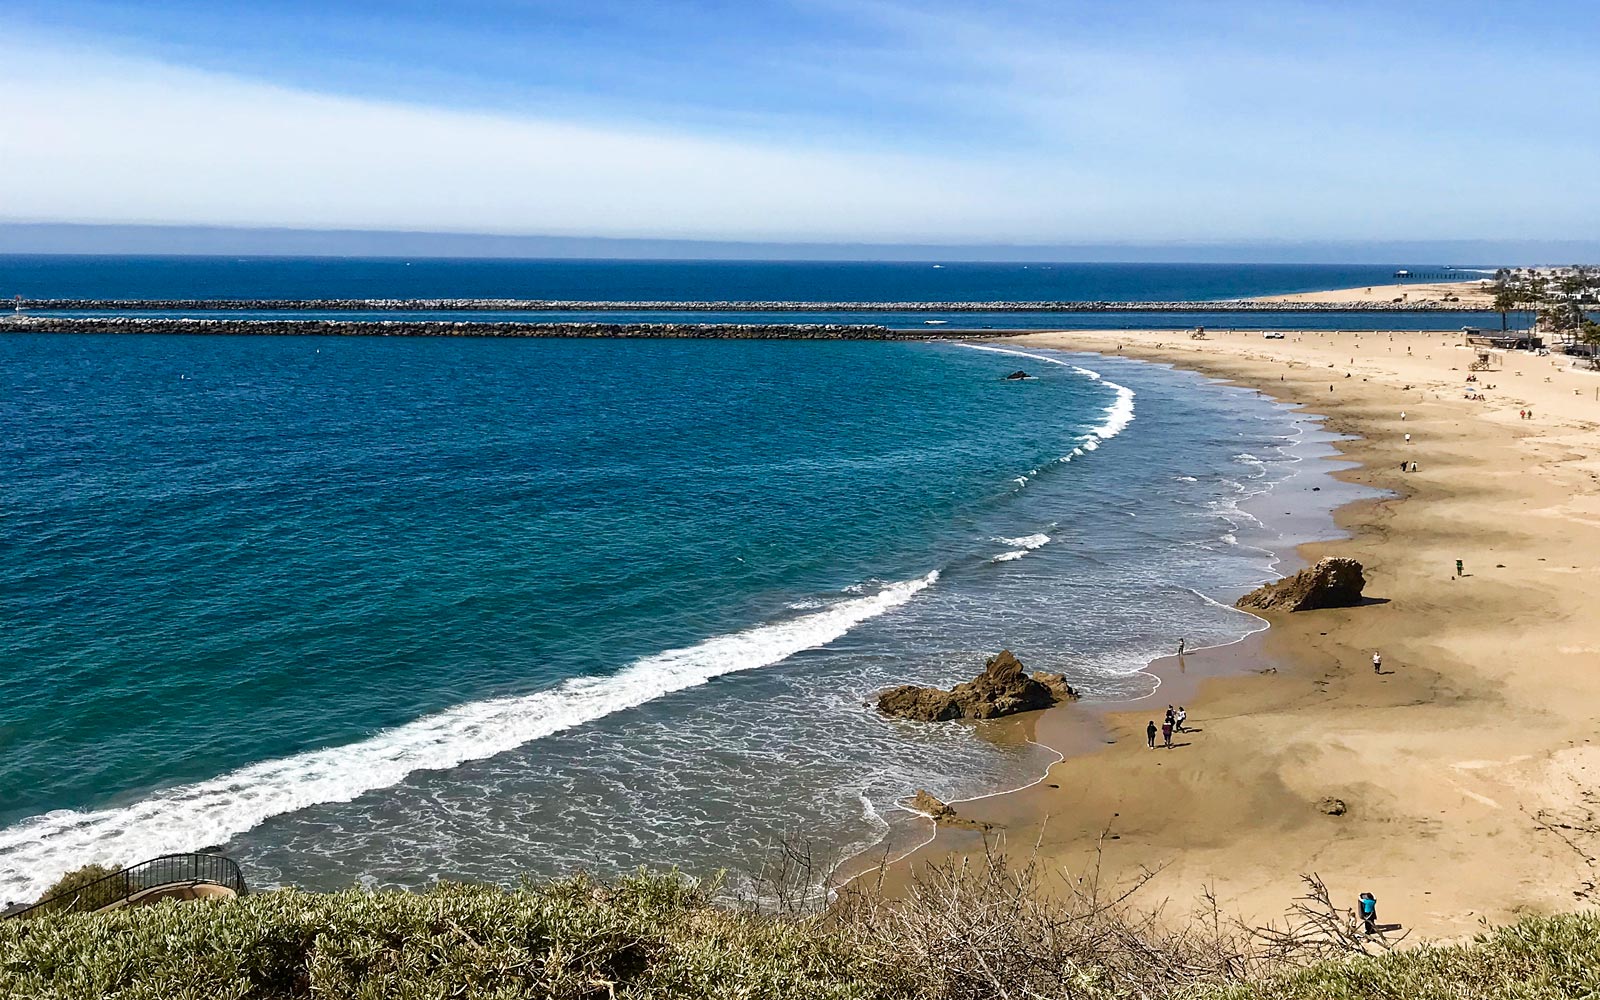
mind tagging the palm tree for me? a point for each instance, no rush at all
(1505, 300)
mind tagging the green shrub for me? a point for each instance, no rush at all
(1537, 958)
(969, 934)
(81, 891)
(649, 936)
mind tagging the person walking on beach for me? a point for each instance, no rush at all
(1179, 719)
(1377, 662)
(1150, 734)
(1181, 644)
(1168, 720)
(1369, 912)
(1166, 733)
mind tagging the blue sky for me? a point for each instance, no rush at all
(951, 122)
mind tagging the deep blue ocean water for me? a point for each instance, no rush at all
(72, 276)
(396, 609)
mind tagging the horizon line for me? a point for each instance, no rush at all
(154, 239)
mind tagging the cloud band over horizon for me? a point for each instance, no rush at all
(1019, 129)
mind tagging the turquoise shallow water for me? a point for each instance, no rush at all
(398, 609)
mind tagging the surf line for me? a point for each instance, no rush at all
(1118, 414)
(39, 849)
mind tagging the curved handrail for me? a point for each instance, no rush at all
(169, 869)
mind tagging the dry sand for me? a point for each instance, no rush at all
(1467, 766)
(1471, 293)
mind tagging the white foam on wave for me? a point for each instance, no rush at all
(1027, 542)
(1010, 556)
(1117, 416)
(38, 850)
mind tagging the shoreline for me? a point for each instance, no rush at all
(1443, 840)
(1082, 728)
(1473, 293)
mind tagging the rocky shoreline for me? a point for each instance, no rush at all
(442, 328)
(564, 305)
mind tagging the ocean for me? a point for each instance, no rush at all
(384, 611)
(74, 276)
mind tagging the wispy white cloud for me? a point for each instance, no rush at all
(91, 137)
(1042, 125)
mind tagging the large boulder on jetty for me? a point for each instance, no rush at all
(1334, 582)
(1004, 688)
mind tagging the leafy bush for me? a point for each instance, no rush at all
(81, 891)
(971, 932)
(649, 936)
(1536, 958)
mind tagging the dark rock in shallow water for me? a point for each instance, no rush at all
(1334, 582)
(1002, 689)
(1016, 376)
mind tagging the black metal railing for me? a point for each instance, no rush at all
(169, 869)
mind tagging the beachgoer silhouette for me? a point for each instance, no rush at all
(1181, 644)
(1150, 734)
(1180, 719)
(1369, 912)
(1166, 734)
(1377, 663)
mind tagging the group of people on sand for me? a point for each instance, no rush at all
(1174, 723)
(1525, 414)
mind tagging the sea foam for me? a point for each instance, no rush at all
(1117, 416)
(38, 850)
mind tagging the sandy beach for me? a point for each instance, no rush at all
(1466, 767)
(1470, 293)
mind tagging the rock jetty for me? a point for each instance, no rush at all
(727, 305)
(1334, 582)
(435, 328)
(1004, 688)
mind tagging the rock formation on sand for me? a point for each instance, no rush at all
(944, 814)
(1003, 688)
(1333, 582)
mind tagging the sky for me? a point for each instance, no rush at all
(813, 121)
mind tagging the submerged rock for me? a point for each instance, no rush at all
(1016, 375)
(1002, 689)
(1334, 582)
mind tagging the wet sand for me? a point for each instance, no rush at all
(1466, 768)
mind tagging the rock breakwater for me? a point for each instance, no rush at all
(426, 328)
(570, 305)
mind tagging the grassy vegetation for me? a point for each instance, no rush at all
(961, 932)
